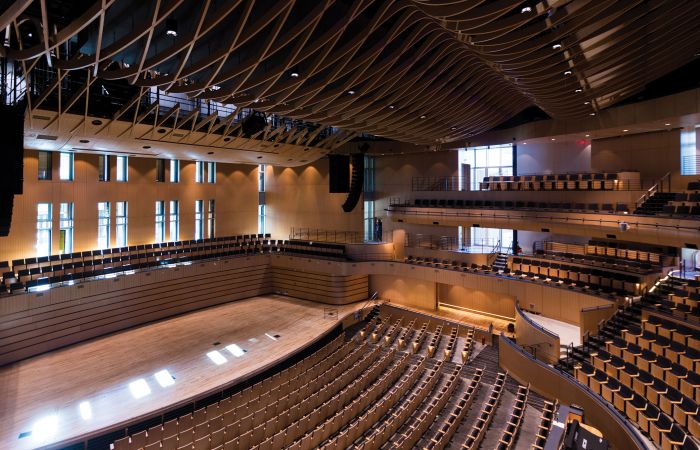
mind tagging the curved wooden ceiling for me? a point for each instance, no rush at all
(421, 71)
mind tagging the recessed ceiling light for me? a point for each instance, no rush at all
(667, 124)
(294, 74)
(588, 135)
(524, 143)
(453, 128)
(568, 72)
(556, 46)
(553, 139)
(171, 27)
(422, 117)
(579, 90)
(592, 114)
(586, 103)
(216, 87)
(392, 106)
(351, 92)
(139, 388)
(625, 130)
(526, 9)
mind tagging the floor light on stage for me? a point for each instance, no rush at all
(85, 410)
(45, 428)
(164, 378)
(217, 357)
(235, 350)
(271, 336)
(139, 388)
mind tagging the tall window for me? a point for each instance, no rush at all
(103, 225)
(198, 219)
(103, 167)
(122, 217)
(199, 172)
(488, 239)
(65, 240)
(211, 217)
(122, 168)
(211, 172)
(174, 222)
(160, 221)
(486, 161)
(44, 166)
(174, 171)
(43, 229)
(160, 170)
(65, 166)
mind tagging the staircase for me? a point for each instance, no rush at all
(655, 204)
(501, 262)
(623, 319)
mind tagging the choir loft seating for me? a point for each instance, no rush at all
(392, 383)
(646, 363)
(65, 269)
(627, 180)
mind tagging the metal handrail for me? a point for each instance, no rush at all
(657, 187)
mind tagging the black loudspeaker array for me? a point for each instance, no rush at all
(12, 154)
(357, 183)
(339, 174)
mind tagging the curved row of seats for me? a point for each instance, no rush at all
(546, 420)
(68, 268)
(618, 208)
(594, 278)
(513, 425)
(363, 393)
(603, 255)
(563, 181)
(487, 412)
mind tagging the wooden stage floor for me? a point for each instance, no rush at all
(76, 391)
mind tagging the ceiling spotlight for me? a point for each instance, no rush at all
(625, 131)
(215, 87)
(171, 27)
(422, 117)
(351, 92)
(553, 139)
(579, 90)
(294, 74)
(556, 46)
(588, 135)
(526, 9)
(592, 114)
(667, 124)
(392, 106)
(453, 128)
(30, 34)
(568, 72)
(586, 103)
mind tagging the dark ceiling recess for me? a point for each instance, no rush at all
(531, 114)
(681, 79)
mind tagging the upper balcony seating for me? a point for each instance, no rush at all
(589, 255)
(610, 208)
(569, 181)
(315, 249)
(573, 276)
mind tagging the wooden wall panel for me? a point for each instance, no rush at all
(325, 288)
(68, 315)
(235, 192)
